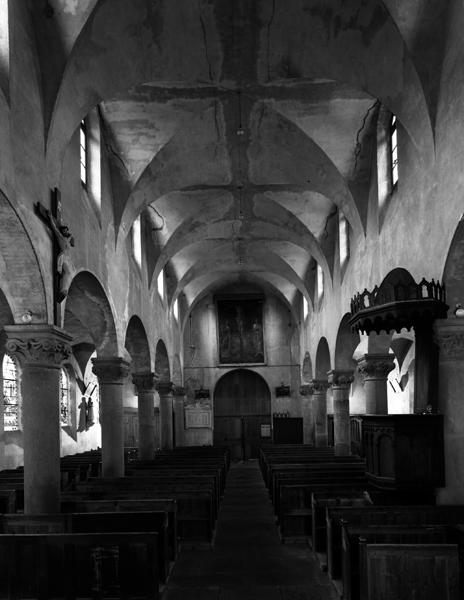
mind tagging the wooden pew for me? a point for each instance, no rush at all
(109, 522)
(335, 498)
(195, 520)
(79, 565)
(425, 571)
(353, 570)
(166, 505)
(381, 515)
(295, 508)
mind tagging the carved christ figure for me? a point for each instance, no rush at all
(64, 241)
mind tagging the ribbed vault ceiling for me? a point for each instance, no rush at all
(240, 128)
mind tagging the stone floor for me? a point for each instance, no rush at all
(247, 561)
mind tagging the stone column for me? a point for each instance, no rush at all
(374, 369)
(111, 373)
(319, 391)
(178, 407)
(145, 384)
(306, 394)
(40, 350)
(165, 394)
(450, 337)
(341, 382)
(425, 367)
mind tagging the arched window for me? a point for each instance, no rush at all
(387, 158)
(83, 139)
(160, 284)
(320, 282)
(175, 309)
(305, 308)
(393, 151)
(65, 412)
(11, 404)
(343, 239)
(90, 157)
(137, 241)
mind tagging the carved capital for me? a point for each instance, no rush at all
(164, 387)
(306, 390)
(340, 379)
(449, 335)
(44, 345)
(319, 386)
(145, 382)
(178, 390)
(112, 370)
(376, 366)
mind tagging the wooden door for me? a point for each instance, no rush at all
(242, 404)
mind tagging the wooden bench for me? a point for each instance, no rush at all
(353, 569)
(425, 571)
(381, 515)
(109, 522)
(166, 505)
(79, 565)
(339, 498)
(295, 508)
(194, 506)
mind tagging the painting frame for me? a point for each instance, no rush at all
(240, 330)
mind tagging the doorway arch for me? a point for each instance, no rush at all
(242, 404)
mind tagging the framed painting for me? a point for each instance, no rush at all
(240, 330)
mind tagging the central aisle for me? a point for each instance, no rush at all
(248, 561)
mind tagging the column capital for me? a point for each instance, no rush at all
(38, 344)
(306, 390)
(376, 366)
(340, 379)
(145, 382)
(319, 385)
(111, 370)
(164, 387)
(449, 335)
(178, 390)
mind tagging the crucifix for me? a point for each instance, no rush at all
(63, 241)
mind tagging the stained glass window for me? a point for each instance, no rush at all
(64, 397)
(11, 411)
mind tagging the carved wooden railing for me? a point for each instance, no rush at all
(398, 304)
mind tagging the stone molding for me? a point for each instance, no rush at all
(145, 382)
(306, 390)
(164, 388)
(178, 390)
(449, 335)
(375, 366)
(112, 370)
(39, 345)
(340, 379)
(319, 386)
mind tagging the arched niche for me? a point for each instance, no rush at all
(345, 346)
(89, 319)
(136, 344)
(162, 368)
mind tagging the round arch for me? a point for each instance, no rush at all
(162, 367)
(136, 343)
(322, 360)
(89, 319)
